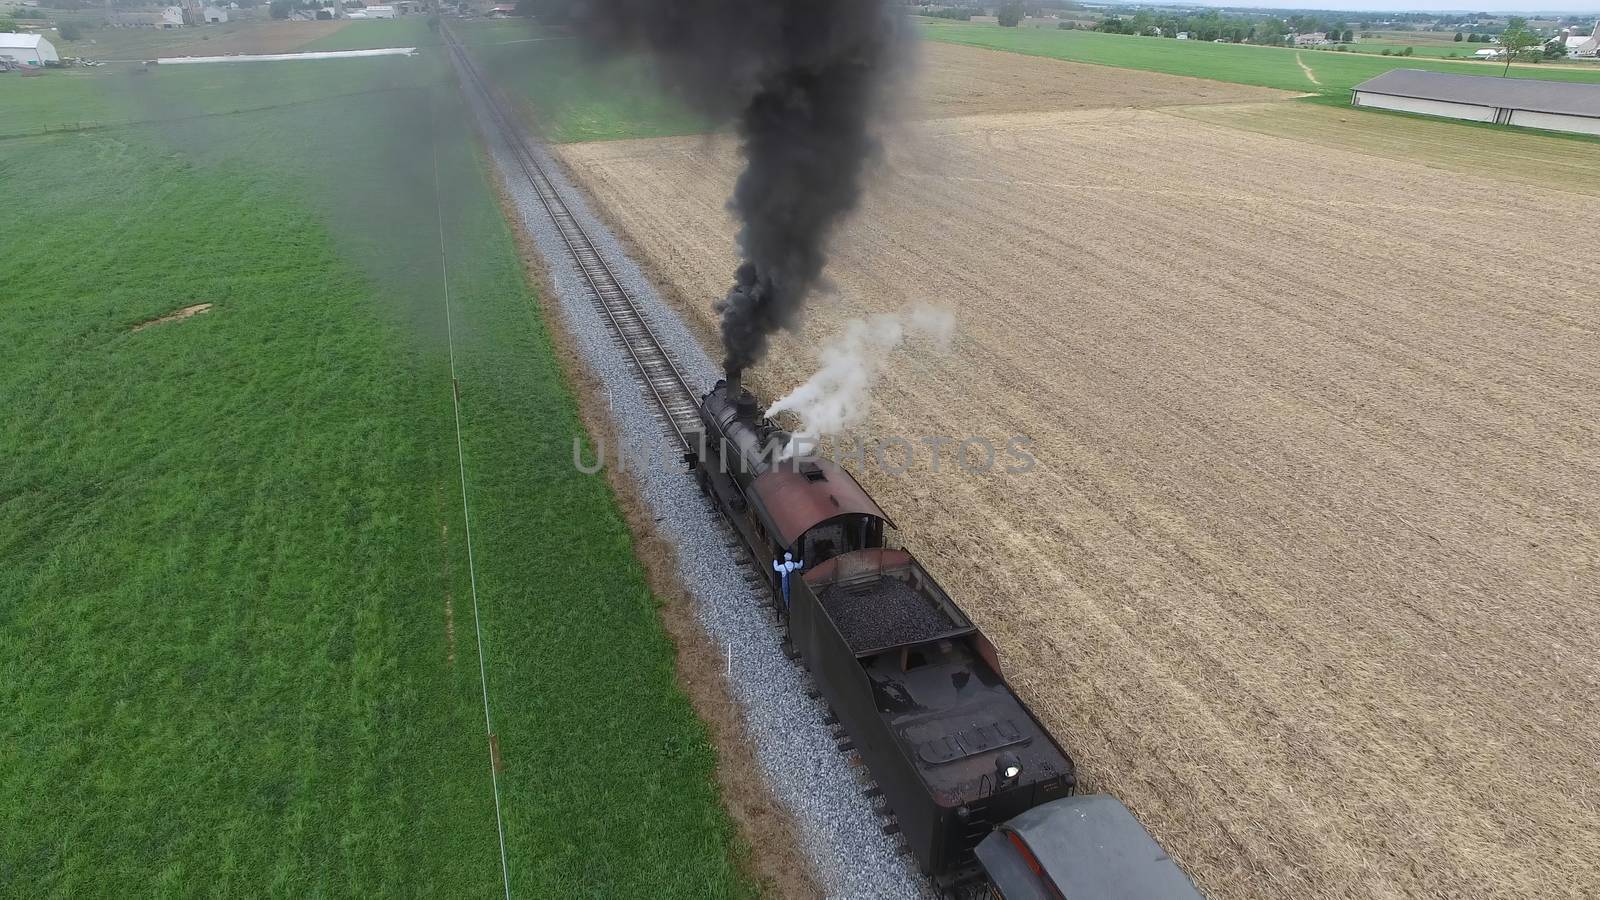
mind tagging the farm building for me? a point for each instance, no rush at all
(172, 17)
(28, 49)
(1581, 46)
(1556, 105)
(379, 12)
(214, 15)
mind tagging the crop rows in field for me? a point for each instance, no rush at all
(1303, 572)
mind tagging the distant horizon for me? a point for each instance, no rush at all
(1532, 8)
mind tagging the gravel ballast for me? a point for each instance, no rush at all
(841, 831)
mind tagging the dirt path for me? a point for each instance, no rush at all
(1306, 573)
(1307, 69)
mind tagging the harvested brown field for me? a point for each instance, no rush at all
(1506, 154)
(1306, 573)
(957, 80)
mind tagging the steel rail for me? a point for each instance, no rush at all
(656, 368)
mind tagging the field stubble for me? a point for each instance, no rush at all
(1302, 573)
(955, 79)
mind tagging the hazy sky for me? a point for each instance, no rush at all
(1512, 6)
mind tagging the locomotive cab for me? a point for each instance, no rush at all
(839, 535)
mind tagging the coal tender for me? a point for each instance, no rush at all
(960, 759)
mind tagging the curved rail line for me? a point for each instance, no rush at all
(655, 366)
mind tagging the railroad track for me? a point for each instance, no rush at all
(675, 402)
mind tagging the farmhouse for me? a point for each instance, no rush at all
(1311, 39)
(28, 49)
(1556, 105)
(215, 15)
(172, 17)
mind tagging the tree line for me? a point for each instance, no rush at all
(1219, 26)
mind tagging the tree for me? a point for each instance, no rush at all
(279, 9)
(8, 26)
(1009, 13)
(1516, 40)
(69, 31)
(1348, 37)
(1459, 37)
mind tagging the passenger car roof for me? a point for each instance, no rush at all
(1091, 846)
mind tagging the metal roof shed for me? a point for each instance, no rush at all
(30, 49)
(1528, 102)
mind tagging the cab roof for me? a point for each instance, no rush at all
(797, 498)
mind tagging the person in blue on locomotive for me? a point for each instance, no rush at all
(789, 564)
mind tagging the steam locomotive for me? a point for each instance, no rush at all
(981, 793)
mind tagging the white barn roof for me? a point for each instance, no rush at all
(9, 40)
(1569, 98)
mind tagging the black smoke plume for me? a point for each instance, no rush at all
(806, 82)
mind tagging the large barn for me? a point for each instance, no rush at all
(28, 49)
(1556, 105)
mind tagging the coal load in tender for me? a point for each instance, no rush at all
(886, 613)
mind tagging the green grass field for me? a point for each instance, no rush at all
(1272, 67)
(1430, 49)
(567, 94)
(105, 43)
(407, 31)
(237, 643)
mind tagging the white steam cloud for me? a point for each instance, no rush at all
(839, 396)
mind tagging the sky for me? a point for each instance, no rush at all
(1520, 7)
